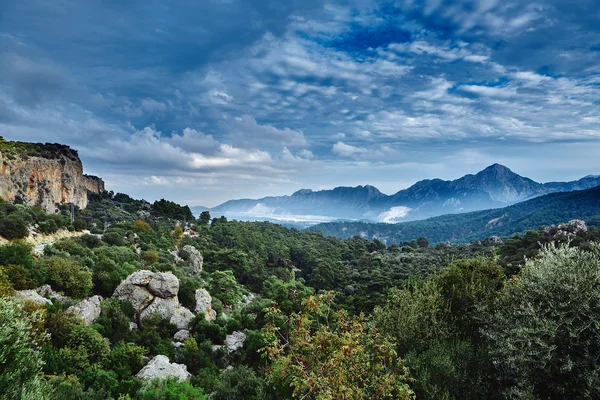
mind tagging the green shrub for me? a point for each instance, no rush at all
(13, 227)
(113, 239)
(20, 358)
(544, 328)
(170, 389)
(69, 276)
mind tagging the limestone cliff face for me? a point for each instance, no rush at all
(44, 175)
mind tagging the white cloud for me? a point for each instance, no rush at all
(347, 150)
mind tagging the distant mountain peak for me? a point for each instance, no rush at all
(497, 168)
(302, 192)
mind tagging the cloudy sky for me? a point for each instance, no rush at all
(203, 101)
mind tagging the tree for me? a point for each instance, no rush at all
(328, 355)
(224, 287)
(13, 227)
(204, 218)
(21, 334)
(544, 327)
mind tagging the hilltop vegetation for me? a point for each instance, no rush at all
(422, 321)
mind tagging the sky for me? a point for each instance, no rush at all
(204, 101)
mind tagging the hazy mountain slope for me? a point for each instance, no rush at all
(544, 210)
(494, 187)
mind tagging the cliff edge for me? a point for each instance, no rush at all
(45, 175)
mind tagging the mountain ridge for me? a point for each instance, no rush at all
(495, 186)
(553, 208)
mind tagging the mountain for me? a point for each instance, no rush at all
(305, 205)
(44, 175)
(494, 187)
(549, 209)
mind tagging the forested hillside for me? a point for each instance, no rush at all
(462, 228)
(242, 310)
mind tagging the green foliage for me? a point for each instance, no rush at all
(69, 276)
(126, 359)
(169, 209)
(240, 383)
(329, 356)
(204, 219)
(170, 389)
(113, 239)
(224, 287)
(20, 357)
(13, 227)
(544, 327)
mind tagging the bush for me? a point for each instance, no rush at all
(170, 389)
(21, 360)
(113, 239)
(67, 275)
(240, 383)
(544, 328)
(13, 227)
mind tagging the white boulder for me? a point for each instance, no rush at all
(160, 367)
(33, 296)
(88, 309)
(182, 335)
(204, 305)
(235, 341)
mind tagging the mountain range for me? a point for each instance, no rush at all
(554, 208)
(494, 187)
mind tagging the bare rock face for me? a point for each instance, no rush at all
(191, 255)
(571, 228)
(204, 305)
(154, 293)
(33, 296)
(235, 341)
(165, 285)
(160, 367)
(46, 175)
(89, 309)
(182, 335)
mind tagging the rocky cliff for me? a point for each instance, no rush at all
(44, 175)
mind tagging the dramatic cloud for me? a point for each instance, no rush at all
(205, 101)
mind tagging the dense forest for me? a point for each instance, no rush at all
(260, 311)
(550, 209)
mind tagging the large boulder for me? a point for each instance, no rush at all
(165, 285)
(138, 296)
(154, 293)
(169, 309)
(88, 309)
(193, 257)
(160, 367)
(204, 305)
(33, 296)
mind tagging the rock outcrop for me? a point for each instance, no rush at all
(569, 229)
(204, 305)
(182, 335)
(44, 175)
(160, 367)
(33, 296)
(189, 257)
(88, 309)
(154, 293)
(41, 295)
(235, 341)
